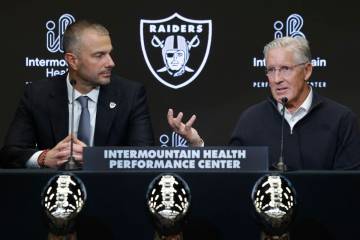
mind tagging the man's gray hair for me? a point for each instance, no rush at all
(299, 45)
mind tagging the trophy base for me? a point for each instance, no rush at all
(285, 236)
(172, 237)
(70, 236)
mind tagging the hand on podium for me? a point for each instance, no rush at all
(185, 129)
(58, 155)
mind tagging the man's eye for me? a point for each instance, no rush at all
(99, 55)
(270, 70)
(285, 68)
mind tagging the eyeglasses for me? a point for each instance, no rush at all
(284, 71)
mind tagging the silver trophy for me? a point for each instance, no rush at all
(274, 201)
(63, 198)
(168, 201)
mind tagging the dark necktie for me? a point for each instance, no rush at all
(84, 123)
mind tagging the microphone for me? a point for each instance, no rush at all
(71, 164)
(281, 165)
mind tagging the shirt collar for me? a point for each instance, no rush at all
(93, 94)
(304, 106)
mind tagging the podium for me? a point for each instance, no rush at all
(177, 159)
(328, 205)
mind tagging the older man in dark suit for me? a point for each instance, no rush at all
(319, 134)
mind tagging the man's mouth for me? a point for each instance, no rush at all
(281, 90)
(106, 73)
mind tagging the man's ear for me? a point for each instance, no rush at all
(71, 60)
(308, 71)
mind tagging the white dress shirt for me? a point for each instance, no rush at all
(298, 114)
(92, 105)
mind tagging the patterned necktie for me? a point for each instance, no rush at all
(84, 123)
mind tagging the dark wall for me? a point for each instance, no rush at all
(228, 81)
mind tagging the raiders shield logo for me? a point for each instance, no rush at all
(175, 48)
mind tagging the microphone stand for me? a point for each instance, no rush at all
(71, 164)
(280, 166)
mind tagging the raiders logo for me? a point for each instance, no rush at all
(175, 48)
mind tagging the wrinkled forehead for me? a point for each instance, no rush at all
(280, 56)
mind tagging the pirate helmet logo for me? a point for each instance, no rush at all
(175, 48)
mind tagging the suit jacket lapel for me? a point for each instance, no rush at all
(58, 109)
(105, 114)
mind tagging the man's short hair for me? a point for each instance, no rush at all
(299, 45)
(72, 35)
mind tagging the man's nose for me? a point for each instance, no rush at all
(277, 78)
(110, 61)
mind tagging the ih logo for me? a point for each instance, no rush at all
(175, 48)
(176, 140)
(294, 23)
(53, 38)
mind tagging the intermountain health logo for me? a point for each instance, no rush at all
(175, 48)
(291, 27)
(172, 140)
(54, 64)
(55, 32)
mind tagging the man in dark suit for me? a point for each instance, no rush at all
(109, 110)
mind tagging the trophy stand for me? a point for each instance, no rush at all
(69, 236)
(285, 236)
(172, 237)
